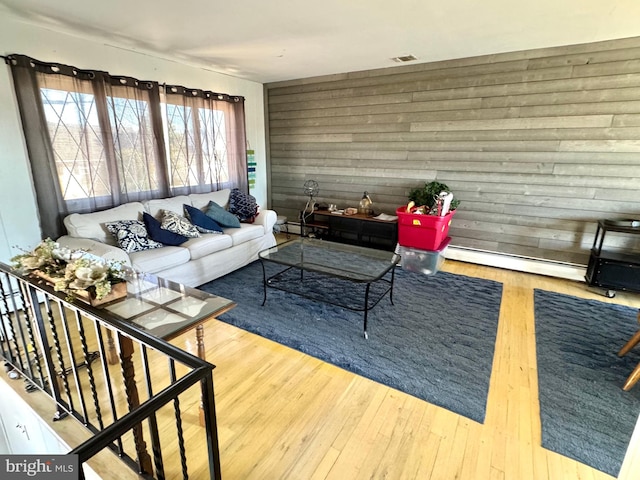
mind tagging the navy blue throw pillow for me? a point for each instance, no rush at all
(203, 223)
(159, 234)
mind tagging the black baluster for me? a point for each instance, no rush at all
(5, 318)
(176, 406)
(153, 423)
(12, 338)
(54, 389)
(58, 350)
(30, 308)
(87, 359)
(107, 380)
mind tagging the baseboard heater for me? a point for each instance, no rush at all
(540, 266)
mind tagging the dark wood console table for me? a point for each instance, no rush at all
(355, 229)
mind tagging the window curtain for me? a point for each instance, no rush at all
(206, 140)
(94, 140)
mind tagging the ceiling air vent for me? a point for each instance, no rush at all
(404, 58)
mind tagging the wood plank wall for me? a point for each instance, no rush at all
(538, 145)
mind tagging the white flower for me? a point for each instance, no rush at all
(63, 253)
(32, 263)
(88, 275)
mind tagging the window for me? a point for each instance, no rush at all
(104, 141)
(76, 137)
(202, 140)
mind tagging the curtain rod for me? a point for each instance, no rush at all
(200, 92)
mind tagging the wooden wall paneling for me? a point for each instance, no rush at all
(595, 47)
(538, 144)
(555, 97)
(343, 102)
(333, 128)
(626, 120)
(595, 170)
(607, 68)
(434, 79)
(606, 183)
(540, 87)
(572, 121)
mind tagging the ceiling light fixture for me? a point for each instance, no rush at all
(404, 58)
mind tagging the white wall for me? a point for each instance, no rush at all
(631, 463)
(18, 215)
(26, 432)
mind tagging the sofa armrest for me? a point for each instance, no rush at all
(266, 218)
(108, 252)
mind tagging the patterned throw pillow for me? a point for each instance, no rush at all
(220, 215)
(178, 224)
(132, 235)
(243, 206)
(203, 223)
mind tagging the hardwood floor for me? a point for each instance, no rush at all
(285, 415)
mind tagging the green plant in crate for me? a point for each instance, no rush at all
(428, 195)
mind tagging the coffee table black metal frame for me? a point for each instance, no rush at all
(346, 264)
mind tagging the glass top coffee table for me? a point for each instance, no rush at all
(349, 276)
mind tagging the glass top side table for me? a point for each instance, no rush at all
(164, 308)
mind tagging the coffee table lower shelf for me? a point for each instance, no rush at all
(329, 289)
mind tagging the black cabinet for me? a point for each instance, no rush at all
(614, 270)
(354, 229)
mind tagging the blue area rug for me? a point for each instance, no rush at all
(436, 343)
(585, 413)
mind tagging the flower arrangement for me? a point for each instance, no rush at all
(70, 271)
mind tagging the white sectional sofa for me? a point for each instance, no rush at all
(193, 263)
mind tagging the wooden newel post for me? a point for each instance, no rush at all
(112, 354)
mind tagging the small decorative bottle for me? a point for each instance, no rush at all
(366, 205)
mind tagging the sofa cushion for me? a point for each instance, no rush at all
(245, 233)
(178, 224)
(153, 261)
(159, 234)
(173, 204)
(221, 216)
(132, 235)
(203, 223)
(243, 206)
(93, 225)
(207, 244)
(201, 200)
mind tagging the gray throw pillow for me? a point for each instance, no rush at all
(220, 215)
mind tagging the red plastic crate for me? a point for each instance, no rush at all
(425, 232)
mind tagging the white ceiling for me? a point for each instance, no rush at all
(272, 40)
